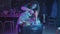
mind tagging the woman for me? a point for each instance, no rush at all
(29, 19)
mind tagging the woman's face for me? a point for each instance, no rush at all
(34, 6)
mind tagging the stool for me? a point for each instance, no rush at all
(11, 25)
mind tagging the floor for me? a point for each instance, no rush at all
(51, 29)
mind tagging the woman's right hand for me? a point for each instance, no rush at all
(25, 8)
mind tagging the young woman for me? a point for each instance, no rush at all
(28, 22)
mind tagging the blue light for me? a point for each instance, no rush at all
(37, 25)
(24, 16)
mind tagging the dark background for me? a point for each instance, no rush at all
(7, 4)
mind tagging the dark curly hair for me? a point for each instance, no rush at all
(34, 5)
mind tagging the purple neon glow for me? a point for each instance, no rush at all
(24, 8)
(27, 9)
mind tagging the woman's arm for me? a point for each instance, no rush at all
(27, 9)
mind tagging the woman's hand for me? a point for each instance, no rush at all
(25, 8)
